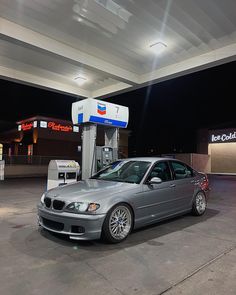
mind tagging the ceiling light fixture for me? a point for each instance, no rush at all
(80, 80)
(158, 47)
(158, 44)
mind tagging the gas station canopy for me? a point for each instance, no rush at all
(98, 48)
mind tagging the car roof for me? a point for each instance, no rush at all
(149, 159)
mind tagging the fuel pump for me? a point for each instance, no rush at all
(104, 156)
(90, 113)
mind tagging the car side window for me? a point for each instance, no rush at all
(161, 170)
(181, 170)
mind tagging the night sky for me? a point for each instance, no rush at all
(164, 117)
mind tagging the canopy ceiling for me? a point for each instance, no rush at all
(97, 48)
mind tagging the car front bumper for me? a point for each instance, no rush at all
(76, 226)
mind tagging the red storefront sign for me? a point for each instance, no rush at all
(59, 127)
(27, 126)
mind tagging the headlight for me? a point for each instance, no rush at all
(77, 207)
(42, 199)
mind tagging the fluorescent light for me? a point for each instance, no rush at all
(43, 124)
(80, 80)
(75, 128)
(158, 47)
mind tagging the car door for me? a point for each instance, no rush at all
(184, 184)
(155, 200)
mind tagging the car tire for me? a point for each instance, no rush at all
(117, 224)
(199, 204)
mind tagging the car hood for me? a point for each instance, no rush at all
(90, 190)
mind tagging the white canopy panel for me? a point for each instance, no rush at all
(96, 48)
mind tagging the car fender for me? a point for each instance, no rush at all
(114, 201)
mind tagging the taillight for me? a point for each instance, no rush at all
(204, 183)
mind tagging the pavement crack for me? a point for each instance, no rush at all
(198, 270)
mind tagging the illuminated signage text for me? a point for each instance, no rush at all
(55, 126)
(224, 137)
(27, 126)
(59, 127)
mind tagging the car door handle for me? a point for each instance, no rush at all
(172, 185)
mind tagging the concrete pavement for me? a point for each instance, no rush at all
(186, 255)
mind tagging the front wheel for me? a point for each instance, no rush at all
(199, 204)
(118, 224)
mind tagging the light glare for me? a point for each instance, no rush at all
(158, 47)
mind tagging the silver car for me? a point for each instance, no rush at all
(126, 195)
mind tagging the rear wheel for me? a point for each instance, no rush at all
(199, 204)
(118, 224)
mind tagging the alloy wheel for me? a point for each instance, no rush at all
(120, 222)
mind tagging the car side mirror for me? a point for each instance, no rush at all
(155, 180)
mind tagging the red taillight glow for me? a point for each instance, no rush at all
(204, 183)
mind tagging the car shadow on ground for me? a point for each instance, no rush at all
(39, 243)
(141, 235)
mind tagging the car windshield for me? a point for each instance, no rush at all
(124, 171)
